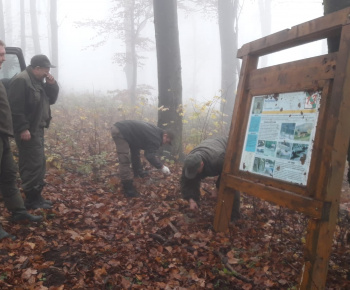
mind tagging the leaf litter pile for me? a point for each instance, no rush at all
(94, 238)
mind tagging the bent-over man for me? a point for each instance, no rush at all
(207, 159)
(131, 136)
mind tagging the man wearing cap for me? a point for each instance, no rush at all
(131, 136)
(207, 159)
(8, 171)
(31, 93)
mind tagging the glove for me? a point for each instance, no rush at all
(165, 170)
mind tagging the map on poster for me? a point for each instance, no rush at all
(280, 135)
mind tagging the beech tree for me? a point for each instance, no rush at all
(227, 12)
(2, 22)
(54, 35)
(35, 29)
(265, 21)
(230, 65)
(23, 25)
(126, 21)
(169, 69)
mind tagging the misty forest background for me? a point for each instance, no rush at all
(95, 238)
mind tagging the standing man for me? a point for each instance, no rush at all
(130, 137)
(30, 95)
(207, 159)
(8, 171)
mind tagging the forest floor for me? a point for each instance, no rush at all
(94, 238)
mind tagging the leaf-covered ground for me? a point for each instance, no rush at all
(94, 238)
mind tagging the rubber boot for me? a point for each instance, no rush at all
(129, 189)
(141, 173)
(18, 216)
(4, 234)
(39, 189)
(34, 200)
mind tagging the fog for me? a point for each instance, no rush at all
(83, 69)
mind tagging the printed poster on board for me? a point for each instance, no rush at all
(280, 135)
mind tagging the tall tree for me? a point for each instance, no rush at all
(230, 66)
(227, 12)
(126, 21)
(7, 4)
(2, 22)
(265, 21)
(23, 25)
(35, 29)
(54, 35)
(329, 7)
(169, 69)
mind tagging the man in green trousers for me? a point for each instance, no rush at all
(8, 170)
(31, 93)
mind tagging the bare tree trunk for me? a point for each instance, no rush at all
(265, 21)
(228, 25)
(329, 7)
(8, 19)
(54, 35)
(130, 50)
(2, 22)
(35, 31)
(169, 70)
(23, 26)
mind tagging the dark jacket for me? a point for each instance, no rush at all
(30, 101)
(5, 113)
(143, 136)
(212, 152)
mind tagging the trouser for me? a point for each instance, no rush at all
(32, 161)
(8, 174)
(123, 151)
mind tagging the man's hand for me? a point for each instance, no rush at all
(165, 170)
(193, 204)
(214, 194)
(25, 135)
(50, 79)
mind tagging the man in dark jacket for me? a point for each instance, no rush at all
(31, 93)
(131, 136)
(207, 159)
(8, 171)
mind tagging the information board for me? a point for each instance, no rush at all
(279, 139)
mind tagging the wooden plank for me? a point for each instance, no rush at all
(320, 234)
(225, 197)
(308, 206)
(316, 29)
(318, 179)
(241, 105)
(223, 209)
(293, 76)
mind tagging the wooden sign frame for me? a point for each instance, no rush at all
(319, 197)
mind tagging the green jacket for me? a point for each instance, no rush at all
(30, 101)
(5, 113)
(212, 152)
